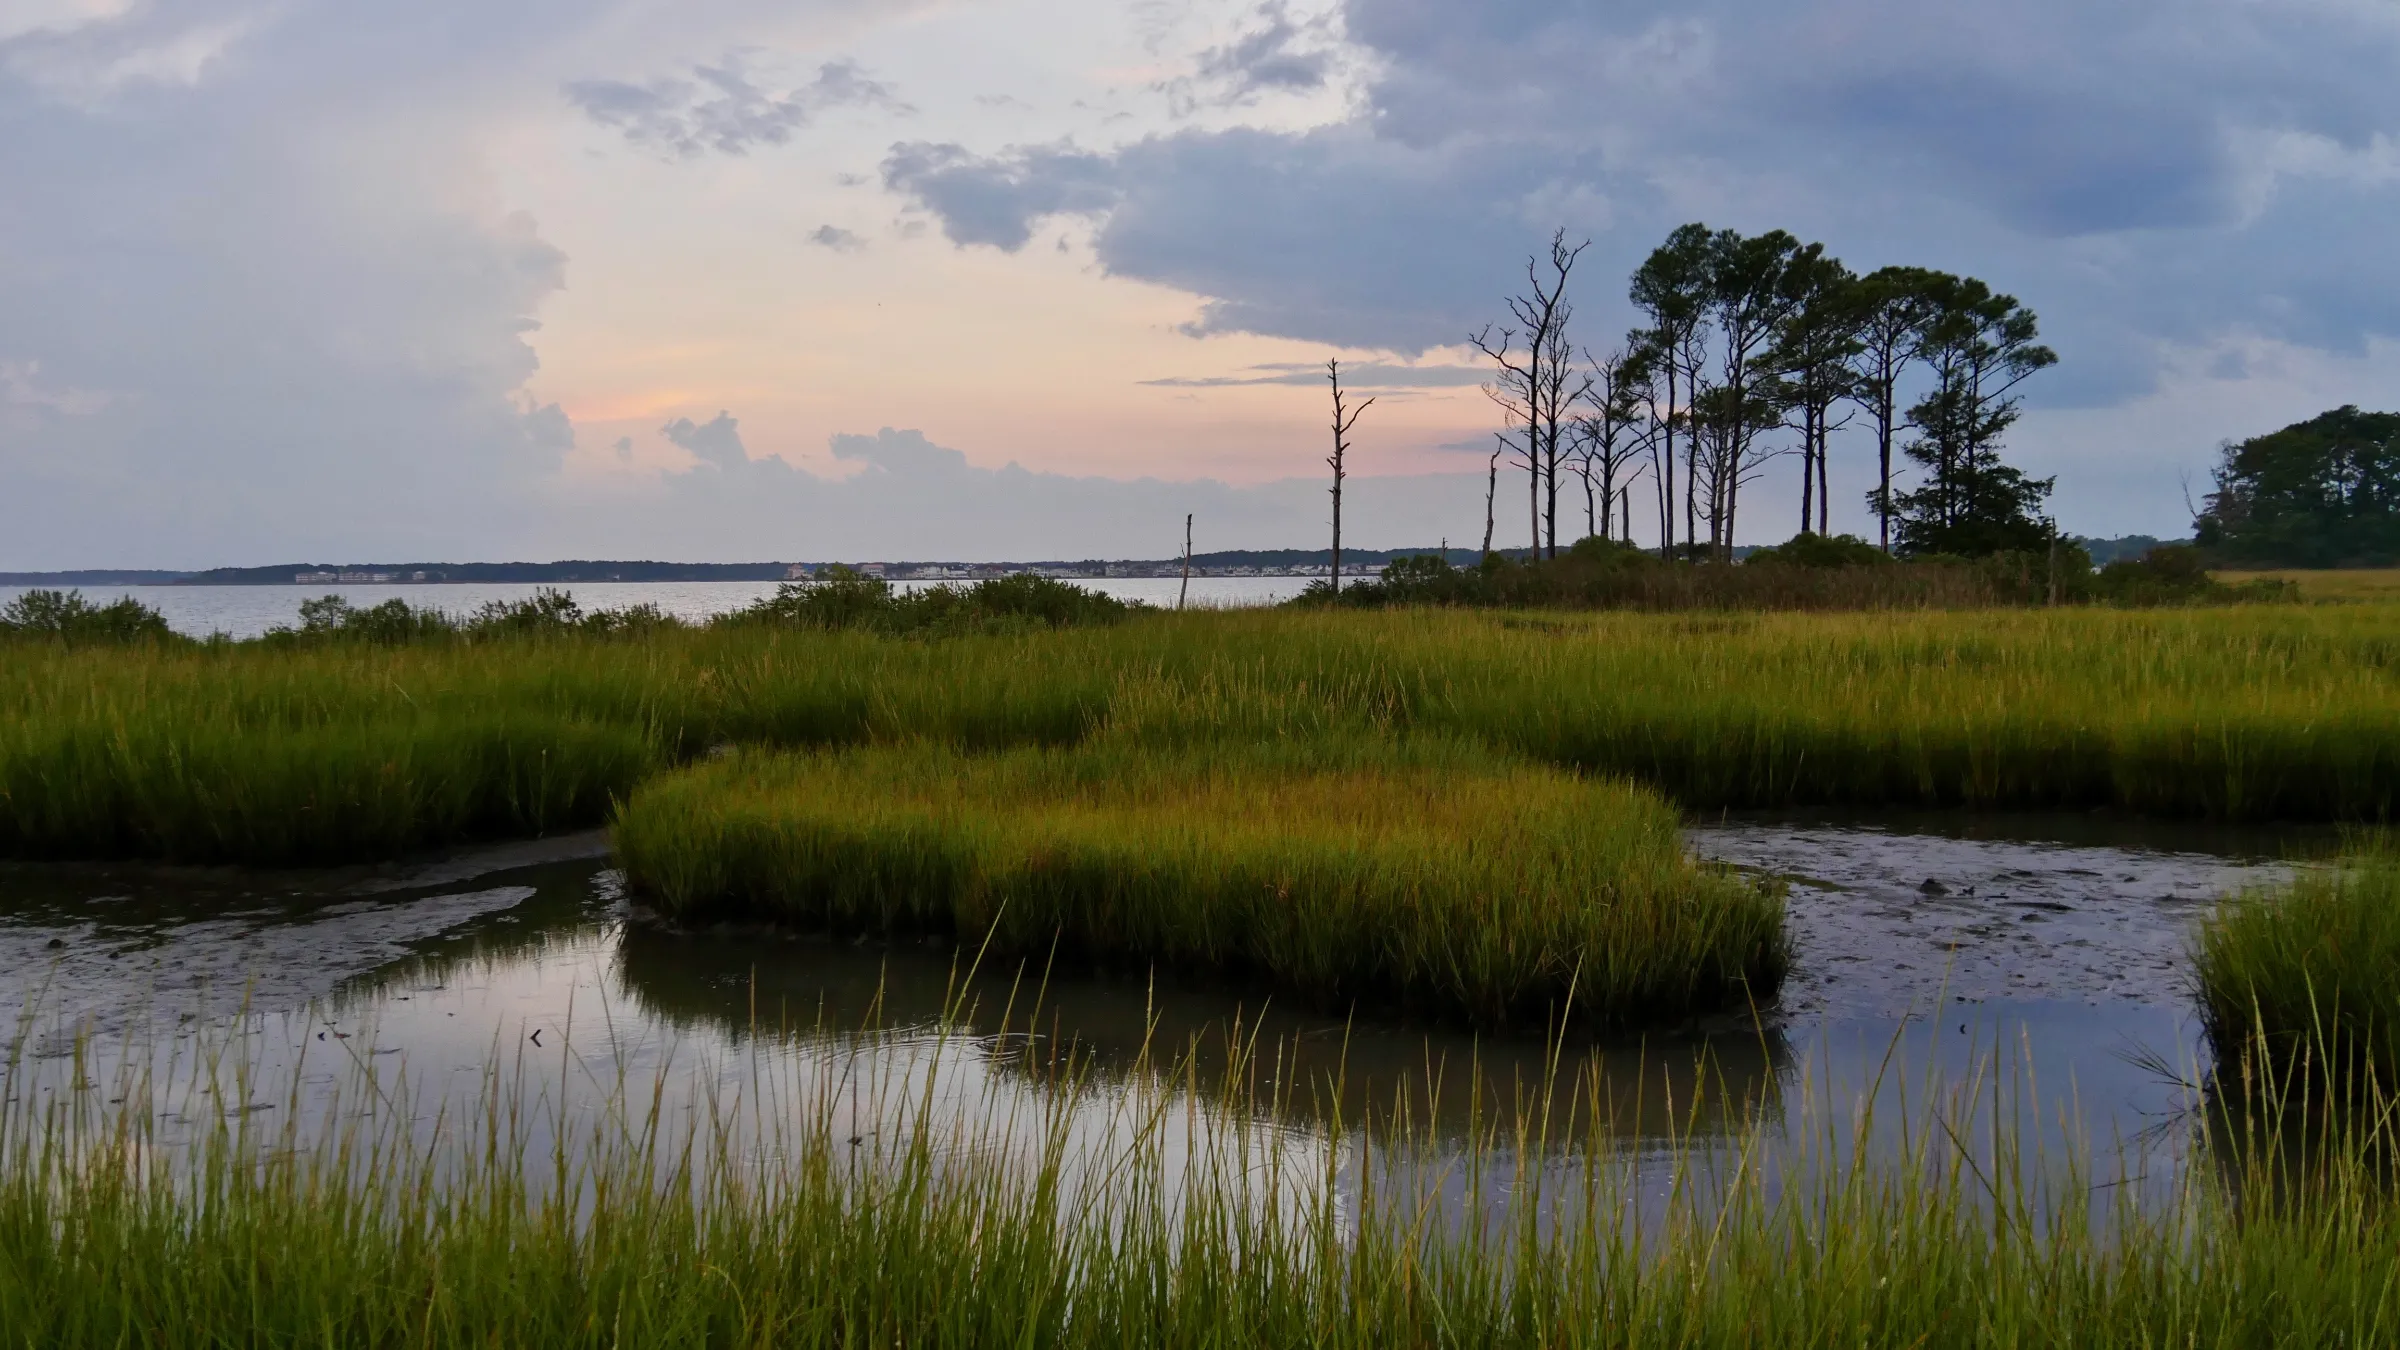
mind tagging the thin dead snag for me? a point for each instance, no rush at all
(1343, 420)
(1537, 389)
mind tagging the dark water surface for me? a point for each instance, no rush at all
(2040, 960)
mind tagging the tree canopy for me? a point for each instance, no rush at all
(2319, 493)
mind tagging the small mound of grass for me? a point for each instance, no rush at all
(1438, 877)
(2309, 973)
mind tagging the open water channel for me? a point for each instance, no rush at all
(2041, 955)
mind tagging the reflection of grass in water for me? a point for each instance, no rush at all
(346, 751)
(1437, 876)
(809, 992)
(768, 1222)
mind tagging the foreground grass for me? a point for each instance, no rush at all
(1181, 1228)
(350, 750)
(1435, 875)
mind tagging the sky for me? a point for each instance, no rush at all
(717, 280)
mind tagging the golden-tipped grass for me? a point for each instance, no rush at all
(2379, 584)
(1435, 876)
(2255, 712)
(1155, 1216)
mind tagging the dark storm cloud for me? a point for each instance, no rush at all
(2139, 172)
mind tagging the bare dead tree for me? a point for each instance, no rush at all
(1537, 389)
(1186, 588)
(1342, 422)
(1512, 390)
(1564, 387)
(1609, 436)
(1491, 486)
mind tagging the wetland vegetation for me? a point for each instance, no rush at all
(329, 749)
(1435, 875)
(1162, 1217)
(1463, 813)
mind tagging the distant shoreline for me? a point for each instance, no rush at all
(1276, 562)
(1230, 563)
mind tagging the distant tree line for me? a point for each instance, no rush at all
(1754, 348)
(2319, 493)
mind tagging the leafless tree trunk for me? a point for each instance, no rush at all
(1563, 387)
(1536, 390)
(1342, 422)
(1186, 588)
(1491, 486)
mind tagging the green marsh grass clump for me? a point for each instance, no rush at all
(2251, 713)
(1436, 876)
(768, 1220)
(2303, 979)
(355, 751)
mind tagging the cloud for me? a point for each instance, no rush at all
(722, 108)
(996, 200)
(717, 441)
(1355, 374)
(910, 497)
(836, 238)
(2157, 171)
(1281, 55)
(256, 310)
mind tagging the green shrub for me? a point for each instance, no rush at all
(840, 598)
(2177, 574)
(1808, 549)
(65, 616)
(393, 621)
(547, 613)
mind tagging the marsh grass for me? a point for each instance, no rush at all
(2297, 984)
(1147, 1216)
(1430, 874)
(2264, 712)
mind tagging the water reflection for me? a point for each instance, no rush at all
(1314, 1069)
(402, 995)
